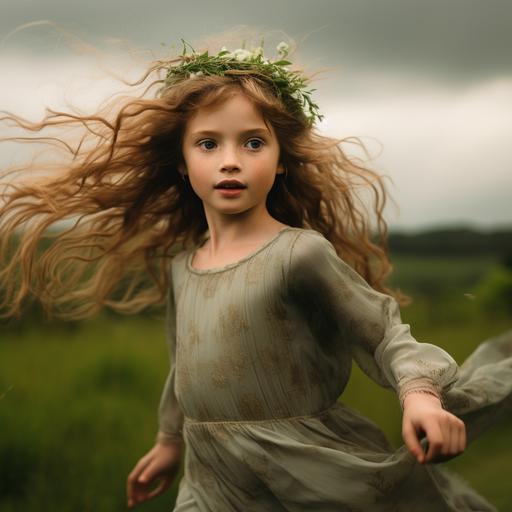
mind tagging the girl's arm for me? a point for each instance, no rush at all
(338, 300)
(161, 464)
(170, 414)
(340, 305)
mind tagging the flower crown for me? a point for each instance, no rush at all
(289, 85)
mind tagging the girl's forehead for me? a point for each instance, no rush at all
(234, 104)
(236, 112)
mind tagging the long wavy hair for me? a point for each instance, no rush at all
(124, 209)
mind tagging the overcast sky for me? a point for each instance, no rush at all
(427, 85)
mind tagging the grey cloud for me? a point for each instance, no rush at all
(459, 40)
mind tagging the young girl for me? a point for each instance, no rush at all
(275, 286)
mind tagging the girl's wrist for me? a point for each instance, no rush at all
(421, 394)
(169, 439)
(422, 385)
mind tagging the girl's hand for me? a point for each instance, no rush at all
(160, 464)
(445, 432)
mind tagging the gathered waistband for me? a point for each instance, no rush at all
(192, 421)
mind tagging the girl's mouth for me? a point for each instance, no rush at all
(230, 192)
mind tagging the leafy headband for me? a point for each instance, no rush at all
(290, 87)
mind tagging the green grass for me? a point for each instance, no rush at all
(79, 411)
(80, 401)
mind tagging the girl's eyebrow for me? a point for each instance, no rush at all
(245, 132)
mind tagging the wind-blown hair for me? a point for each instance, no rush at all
(127, 208)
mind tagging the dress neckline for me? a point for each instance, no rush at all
(235, 263)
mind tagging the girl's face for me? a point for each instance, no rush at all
(230, 142)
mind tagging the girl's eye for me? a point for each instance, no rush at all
(206, 142)
(208, 148)
(260, 142)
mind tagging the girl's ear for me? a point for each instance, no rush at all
(280, 168)
(181, 168)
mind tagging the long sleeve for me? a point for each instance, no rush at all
(334, 294)
(169, 413)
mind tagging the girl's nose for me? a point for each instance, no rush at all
(230, 158)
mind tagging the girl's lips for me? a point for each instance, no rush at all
(232, 183)
(230, 192)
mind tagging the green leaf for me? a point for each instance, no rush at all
(282, 63)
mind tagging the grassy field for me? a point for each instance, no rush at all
(78, 402)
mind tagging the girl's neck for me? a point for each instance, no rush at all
(224, 238)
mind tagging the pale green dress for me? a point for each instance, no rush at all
(260, 352)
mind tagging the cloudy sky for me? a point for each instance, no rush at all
(426, 85)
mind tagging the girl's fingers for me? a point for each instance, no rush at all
(150, 472)
(453, 449)
(162, 486)
(140, 493)
(452, 440)
(436, 437)
(446, 435)
(131, 481)
(148, 476)
(137, 470)
(411, 441)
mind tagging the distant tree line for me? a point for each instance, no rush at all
(453, 242)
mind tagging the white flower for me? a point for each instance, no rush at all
(257, 51)
(242, 54)
(227, 55)
(196, 74)
(282, 47)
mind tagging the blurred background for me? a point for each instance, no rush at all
(426, 86)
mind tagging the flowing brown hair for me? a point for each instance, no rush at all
(127, 208)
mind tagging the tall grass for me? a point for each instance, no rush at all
(80, 412)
